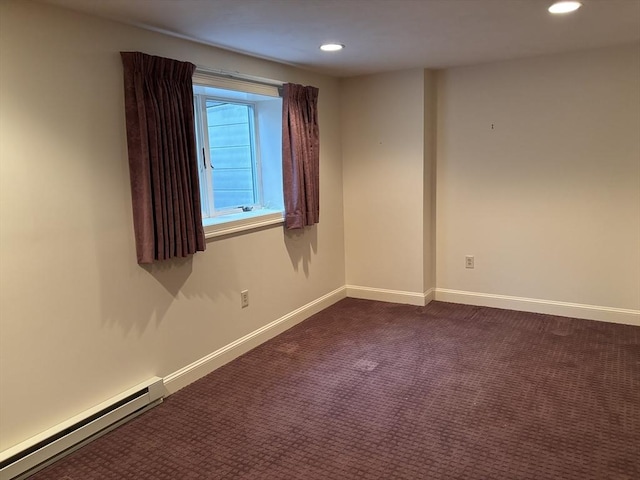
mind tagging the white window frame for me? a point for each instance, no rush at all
(234, 220)
(205, 163)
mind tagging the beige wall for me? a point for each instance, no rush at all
(383, 158)
(80, 321)
(429, 180)
(548, 199)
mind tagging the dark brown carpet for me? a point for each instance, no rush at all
(370, 390)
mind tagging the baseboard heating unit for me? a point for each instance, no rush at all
(34, 454)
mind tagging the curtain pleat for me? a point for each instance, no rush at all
(162, 157)
(300, 155)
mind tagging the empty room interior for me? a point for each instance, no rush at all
(467, 306)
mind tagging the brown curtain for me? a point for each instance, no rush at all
(162, 157)
(300, 155)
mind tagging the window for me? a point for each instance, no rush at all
(228, 139)
(239, 137)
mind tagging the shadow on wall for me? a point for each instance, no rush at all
(301, 244)
(132, 296)
(172, 274)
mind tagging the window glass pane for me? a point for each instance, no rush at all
(222, 113)
(230, 144)
(231, 157)
(233, 198)
(233, 179)
(229, 135)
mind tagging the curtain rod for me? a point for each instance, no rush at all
(239, 76)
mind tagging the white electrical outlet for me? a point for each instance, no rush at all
(469, 261)
(244, 298)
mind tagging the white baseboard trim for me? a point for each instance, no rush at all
(214, 360)
(565, 309)
(393, 296)
(198, 369)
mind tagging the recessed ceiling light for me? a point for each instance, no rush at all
(331, 47)
(564, 7)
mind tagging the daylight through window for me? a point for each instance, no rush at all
(239, 137)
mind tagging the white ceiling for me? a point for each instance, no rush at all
(380, 35)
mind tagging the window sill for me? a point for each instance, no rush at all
(240, 222)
